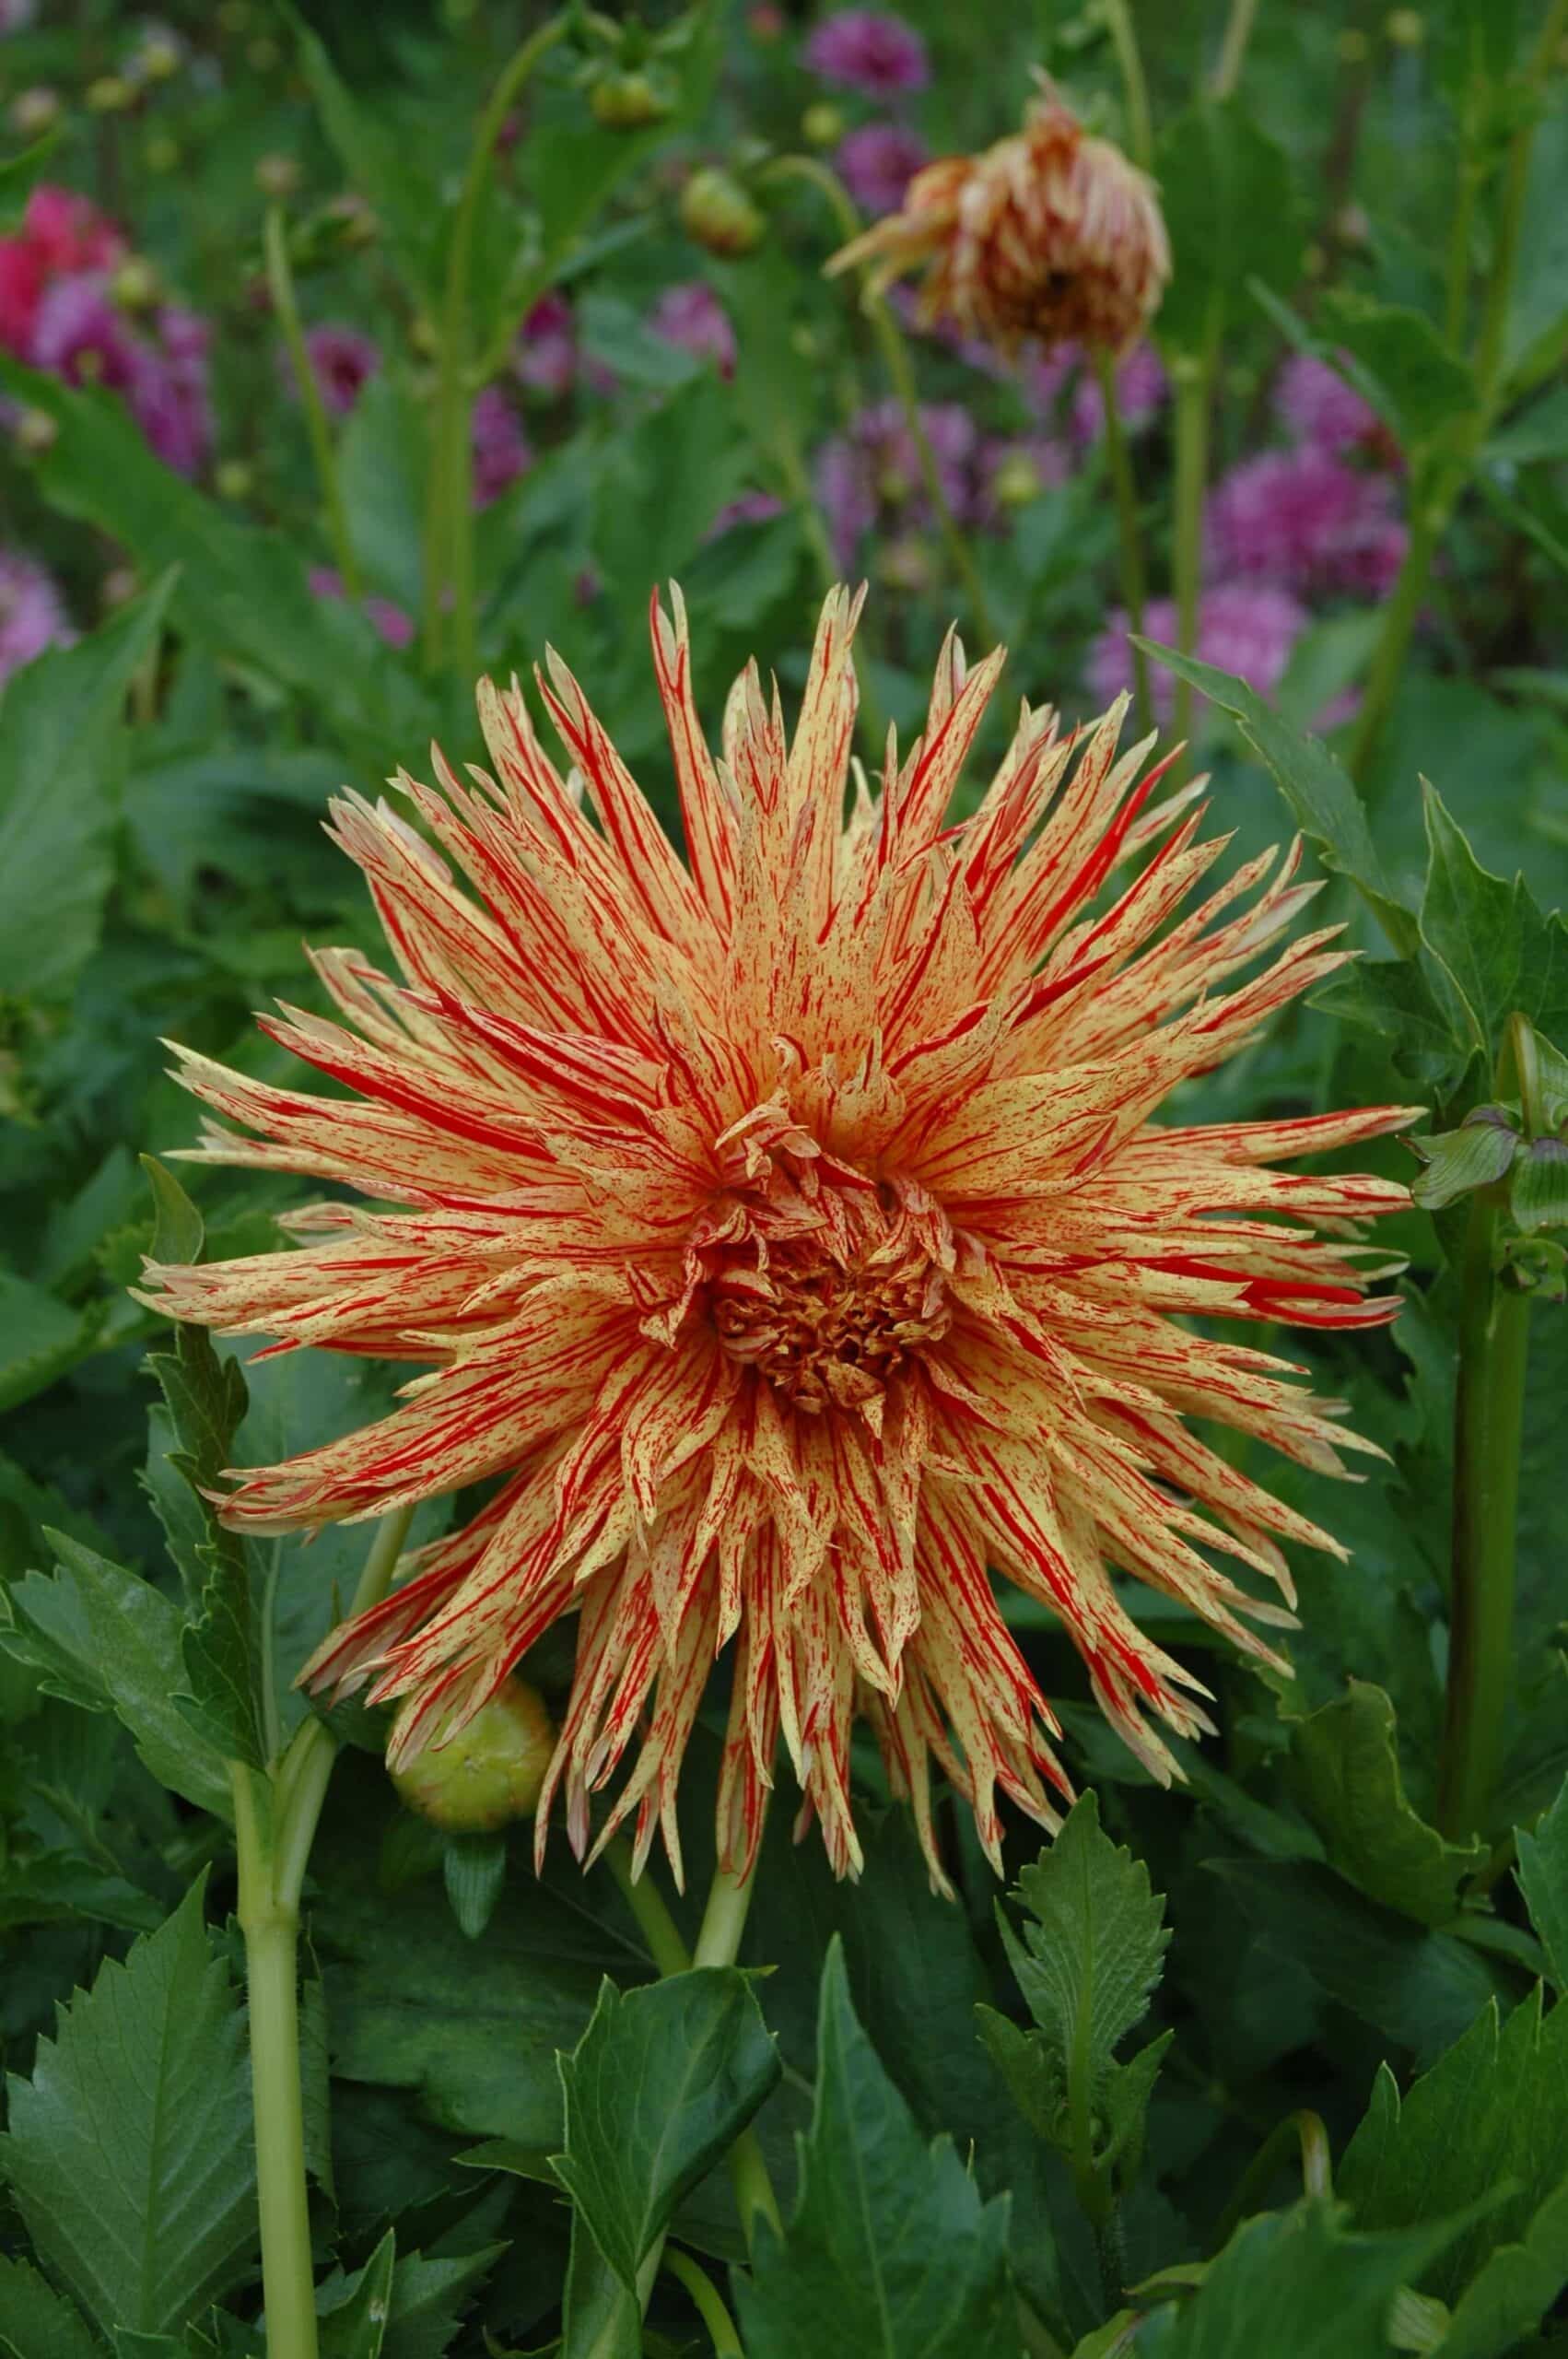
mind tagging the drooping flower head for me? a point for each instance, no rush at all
(791, 1233)
(868, 51)
(1049, 233)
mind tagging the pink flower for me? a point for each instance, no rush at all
(864, 50)
(750, 507)
(395, 625)
(690, 316)
(877, 163)
(60, 233)
(1243, 626)
(1141, 387)
(169, 396)
(342, 360)
(79, 333)
(1306, 520)
(32, 613)
(871, 475)
(501, 450)
(1314, 401)
(544, 355)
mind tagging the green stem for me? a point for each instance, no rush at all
(1233, 49)
(1487, 1431)
(721, 2329)
(1134, 581)
(1140, 127)
(280, 287)
(1428, 525)
(275, 1822)
(1456, 286)
(1193, 379)
(449, 546)
(646, 1902)
(1304, 2129)
(719, 1944)
(1510, 212)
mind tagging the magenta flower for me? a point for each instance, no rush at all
(1247, 628)
(871, 475)
(545, 354)
(690, 316)
(501, 450)
(61, 233)
(877, 163)
(32, 613)
(1314, 401)
(1141, 387)
(1306, 520)
(343, 362)
(79, 333)
(861, 49)
(169, 394)
(395, 625)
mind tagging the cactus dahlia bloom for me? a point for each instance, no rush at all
(791, 1232)
(1049, 233)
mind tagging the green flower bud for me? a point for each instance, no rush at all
(110, 94)
(135, 284)
(34, 112)
(34, 432)
(628, 101)
(822, 126)
(717, 214)
(1017, 481)
(491, 1771)
(234, 479)
(277, 176)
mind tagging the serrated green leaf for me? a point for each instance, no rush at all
(425, 2293)
(1490, 938)
(104, 1638)
(890, 2252)
(60, 720)
(355, 2327)
(129, 2151)
(1232, 213)
(1347, 1770)
(35, 2321)
(1517, 2287)
(1542, 1875)
(176, 1224)
(1322, 802)
(662, 2083)
(1489, 2119)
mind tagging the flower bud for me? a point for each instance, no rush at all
(110, 94)
(117, 586)
(158, 58)
(822, 126)
(34, 112)
(135, 284)
(277, 176)
(492, 1771)
(624, 101)
(906, 564)
(233, 479)
(161, 153)
(34, 432)
(1405, 28)
(1017, 481)
(717, 214)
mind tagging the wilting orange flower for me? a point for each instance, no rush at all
(1049, 233)
(790, 1231)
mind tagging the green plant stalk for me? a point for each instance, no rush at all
(646, 1902)
(708, 2303)
(280, 287)
(1488, 1430)
(1134, 578)
(1193, 381)
(448, 540)
(1233, 49)
(1140, 126)
(276, 1814)
(1301, 2128)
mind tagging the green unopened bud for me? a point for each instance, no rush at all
(716, 212)
(135, 284)
(34, 112)
(822, 126)
(1017, 481)
(906, 564)
(234, 479)
(1406, 28)
(34, 432)
(110, 94)
(492, 1771)
(161, 153)
(277, 176)
(424, 336)
(354, 221)
(158, 58)
(624, 101)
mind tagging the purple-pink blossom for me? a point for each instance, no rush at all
(749, 508)
(80, 335)
(343, 360)
(690, 316)
(544, 353)
(32, 613)
(868, 51)
(871, 475)
(1306, 520)
(168, 396)
(877, 161)
(501, 450)
(1314, 403)
(1141, 387)
(1248, 628)
(395, 625)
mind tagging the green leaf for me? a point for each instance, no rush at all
(425, 2296)
(381, 478)
(129, 2152)
(1513, 2290)
(475, 1867)
(1538, 310)
(890, 2253)
(1542, 1875)
(104, 1638)
(1301, 2266)
(355, 2327)
(1477, 1155)
(1539, 1196)
(1402, 366)
(61, 724)
(663, 2080)
(1322, 802)
(35, 2321)
(1490, 939)
(39, 1339)
(176, 1224)
(1233, 214)
(1489, 2121)
(1348, 1778)
(379, 166)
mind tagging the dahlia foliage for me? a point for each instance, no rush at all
(792, 1233)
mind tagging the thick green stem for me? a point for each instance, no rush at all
(646, 1902)
(721, 2331)
(719, 1944)
(275, 1822)
(1233, 49)
(1488, 1430)
(1139, 126)
(1134, 579)
(1193, 379)
(448, 540)
(280, 287)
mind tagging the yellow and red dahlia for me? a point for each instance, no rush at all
(1050, 233)
(790, 1232)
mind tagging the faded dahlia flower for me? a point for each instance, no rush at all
(791, 1233)
(1050, 233)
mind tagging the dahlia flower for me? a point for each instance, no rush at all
(865, 50)
(690, 316)
(1049, 233)
(1308, 521)
(1248, 628)
(343, 361)
(877, 162)
(788, 1232)
(1314, 401)
(32, 612)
